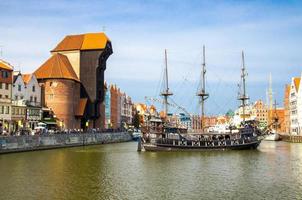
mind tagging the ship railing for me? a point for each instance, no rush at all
(205, 142)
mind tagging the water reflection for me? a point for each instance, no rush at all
(117, 171)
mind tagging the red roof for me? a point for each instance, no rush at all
(5, 65)
(88, 41)
(57, 66)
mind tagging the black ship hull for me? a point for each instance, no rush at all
(168, 147)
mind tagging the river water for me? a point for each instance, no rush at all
(118, 171)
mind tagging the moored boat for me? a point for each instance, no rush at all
(159, 135)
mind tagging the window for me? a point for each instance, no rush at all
(6, 96)
(51, 96)
(5, 74)
(1, 109)
(34, 88)
(0, 96)
(13, 111)
(31, 98)
(6, 86)
(35, 99)
(21, 97)
(19, 88)
(16, 97)
(0, 85)
(7, 110)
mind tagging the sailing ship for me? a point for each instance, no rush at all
(159, 135)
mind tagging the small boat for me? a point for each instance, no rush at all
(159, 135)
(273, 136)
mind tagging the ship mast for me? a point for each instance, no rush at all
(243, 96)
(166, 93)
(202, 93)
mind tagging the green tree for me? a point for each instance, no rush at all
(136, 120)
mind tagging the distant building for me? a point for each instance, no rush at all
(185, 120)
(260, 112)
(6, 79)
(107, 108)
(287, 109)
(126, 109)
(279, 113)
(295, 120)
(196, 123)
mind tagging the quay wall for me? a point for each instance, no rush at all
(292, 138)
(11, 144)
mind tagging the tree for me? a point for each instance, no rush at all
(136, 120)
(230, 113)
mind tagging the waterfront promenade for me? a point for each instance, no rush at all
(9, 144)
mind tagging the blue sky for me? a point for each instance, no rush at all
(268, 31)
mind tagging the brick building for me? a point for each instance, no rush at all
(61, 91)
(260, 112)
(279, 113)
(286, 109)
(115, 107)
(87, 54)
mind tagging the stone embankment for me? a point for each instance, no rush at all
(292, 138)
(11, 144)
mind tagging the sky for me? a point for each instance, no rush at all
(269, 33)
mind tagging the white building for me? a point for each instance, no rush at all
(26, 92)
(126, 109)
(238, 115)
(295, 106)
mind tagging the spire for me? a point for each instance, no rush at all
(202, 93)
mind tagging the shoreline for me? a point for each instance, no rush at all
(16, 144)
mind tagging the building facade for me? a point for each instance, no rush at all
(6, 80)
(61, 91)
(126, 109)
(87, 54)
(260, 113)
(26, 101)
(286, 109)
(293, 106)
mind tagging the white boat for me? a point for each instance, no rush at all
(274, 136)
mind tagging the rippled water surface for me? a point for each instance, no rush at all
(117, 171)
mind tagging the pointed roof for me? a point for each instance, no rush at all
(57, 66)
(88, 41)
(5, 65)
(297, 83)
(26, 78)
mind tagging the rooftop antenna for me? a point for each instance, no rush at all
(202, 93)
(166, 93)
(243, 96)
